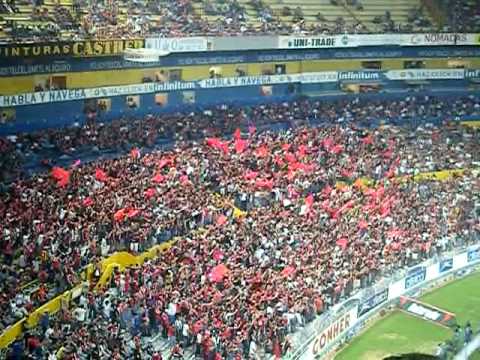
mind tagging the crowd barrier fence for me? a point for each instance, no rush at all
(347, 319)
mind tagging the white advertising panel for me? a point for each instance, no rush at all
(176, 45)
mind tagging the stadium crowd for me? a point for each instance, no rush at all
(241, 285)
(125, 133)
(133, 19)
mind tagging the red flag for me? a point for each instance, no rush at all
(218, 273)
(290, 158)
(64, 182)
(164, 162)
(240, 146)
(100, 175)
(87, 202)
(384, 211)
(221, 220)
(159, 178)
(133, 213)
(149, 193)
(337, 149)
(135, 153)
(265, 184)
(289, 270)
(223, 145)
(301, 152)
(261, 152)
(343, 242)
(212, 142)
(237, 134)
(61, 175)
(386, 206)
(291, 174)
(309, 201)
(120, 215)
(250, 175)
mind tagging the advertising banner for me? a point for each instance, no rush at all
(372, 302)
(177, 45)
(445, 265)
(415, 276)
(358, 40)
(367, 75)
(423, 74)
(330, 334)
(437, 39)
(472, 74)
(317, 77)
(473, 255)
(427, 312)
(70, 49)
(42, 97)
(313, 42)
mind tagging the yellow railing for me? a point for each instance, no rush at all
(121, 260)
(472, 123)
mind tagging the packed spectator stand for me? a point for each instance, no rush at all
(46, 20)
(230, 287)
(311, 235)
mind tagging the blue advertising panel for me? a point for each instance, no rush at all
(473, 255)
(40, 65)
(445, 265)
(372, 302)
(415, 276)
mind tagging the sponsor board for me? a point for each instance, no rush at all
(330, 334)
(70, 49)
(370, 75)
(357, 40)
(438, 39)
(177, 45)
(312, 42)
(445, 265)
(427, 312)
(43, 97)
(372, 302)
(473, 255)
(424, 74)
(415, 276)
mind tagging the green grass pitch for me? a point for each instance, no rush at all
(400, 333)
